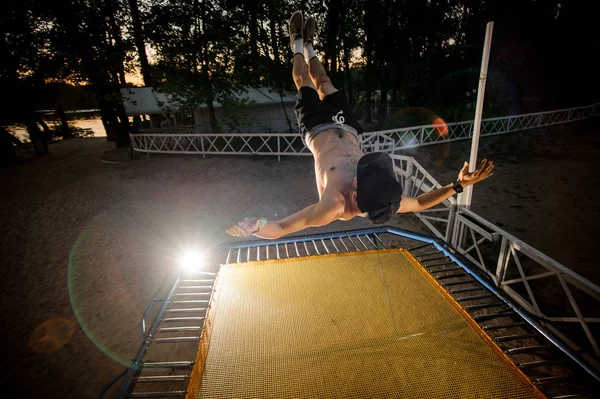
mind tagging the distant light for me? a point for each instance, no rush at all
(192, 261)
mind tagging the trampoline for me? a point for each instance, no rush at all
(374, 313)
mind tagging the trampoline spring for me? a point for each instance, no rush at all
(186, 310)
(494, 315)
(473, 297)
(352, 241)
(258, 253)
(572, 396)
(179, 329)
(239, 254)
(191, 293)
(163, 378)
(287, 252)
(452, 275)
(504, 325)
(326, 249)
(451, 283)
(450, 269)
(344, 244)
(419, 247)
(467, 289)
(363, 244)
(228, 256)
(306, 249)
(315, 245)
(551, 380)
(179, 319)
(296, 246)
(174, 365)
(198, 281)
(541, 363)
(166, 394)
(515, 337)
(200, 287)
(335, 246)
(427, 254)
(371, 240)
(277, 248)
(432, 259)
(527, 349)
(484, 305)
(190, 301)
(439, 264)
(248, 254)
(171, 340)
(379, 239)
(268, 253)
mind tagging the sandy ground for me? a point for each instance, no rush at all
(85, 244)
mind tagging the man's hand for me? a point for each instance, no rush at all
(246, 227)
(481, 173)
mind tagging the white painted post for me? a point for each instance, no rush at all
(465, 198)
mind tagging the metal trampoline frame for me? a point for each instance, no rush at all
(454, 272)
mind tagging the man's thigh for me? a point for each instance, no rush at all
(326, 89)
(309, 109)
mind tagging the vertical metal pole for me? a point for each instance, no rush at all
(407, 181)
(464, 199)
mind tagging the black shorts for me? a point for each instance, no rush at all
(333, 110)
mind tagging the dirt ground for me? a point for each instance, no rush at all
(85, 244)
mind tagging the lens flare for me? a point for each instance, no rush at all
(192, 261)
(441, 128)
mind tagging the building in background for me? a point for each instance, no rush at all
(255, 110)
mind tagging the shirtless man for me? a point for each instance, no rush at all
(349, 182)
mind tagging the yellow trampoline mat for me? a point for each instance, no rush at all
(362, 325)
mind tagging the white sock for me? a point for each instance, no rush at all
(298, 46)
(309, 52)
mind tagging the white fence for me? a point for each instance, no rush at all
(560, 298)
(417, 136)
(186, 140)
(220, 143)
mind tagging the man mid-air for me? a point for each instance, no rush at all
(349, 182)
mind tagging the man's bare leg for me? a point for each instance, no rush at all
(300, 72)
(319, 77)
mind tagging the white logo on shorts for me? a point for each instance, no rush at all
(339, 119)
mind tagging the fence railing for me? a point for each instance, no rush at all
(187, 140)
(277, 144)
(560, 298)
(418, 136)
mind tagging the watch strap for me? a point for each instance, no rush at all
(457, 187)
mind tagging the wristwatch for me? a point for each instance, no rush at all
(457, 187)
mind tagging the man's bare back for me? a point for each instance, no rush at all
(330, 130)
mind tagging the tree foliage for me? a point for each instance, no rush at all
(388, 55)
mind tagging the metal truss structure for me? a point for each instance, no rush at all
(277, 144)
(186, 140)
(418, 136)
(520, 270)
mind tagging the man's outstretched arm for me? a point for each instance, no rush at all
(434, 197)
(315, 215)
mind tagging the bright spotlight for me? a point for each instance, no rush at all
(191, 261)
